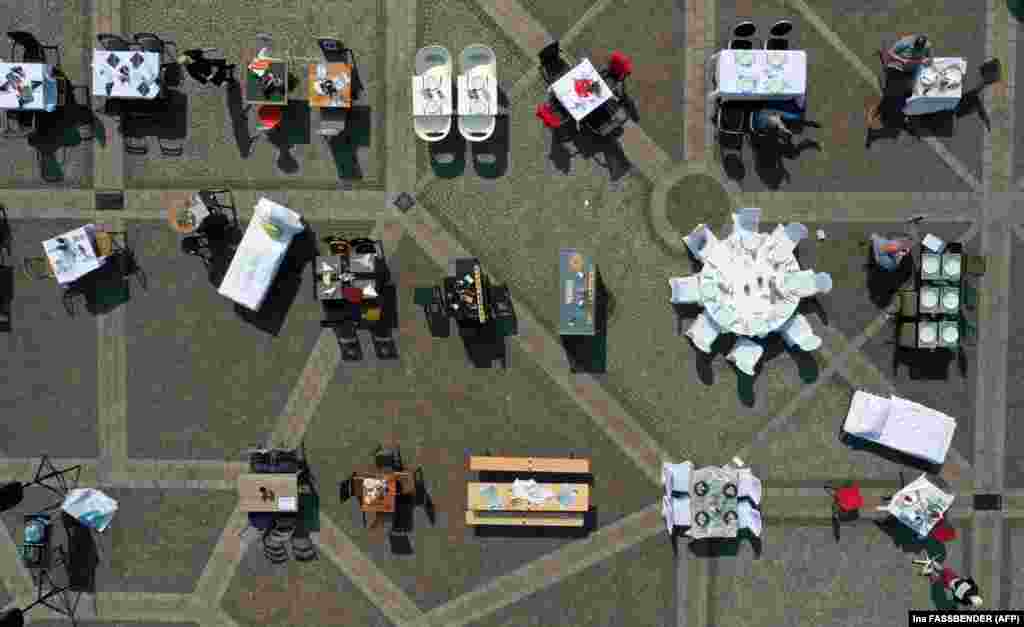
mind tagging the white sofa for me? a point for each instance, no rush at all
(901, 425)
(259, 255)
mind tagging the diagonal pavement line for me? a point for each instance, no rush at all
(308, 391)
(227, 555)
(112, 400)
(548, 570)
(871, 78)
(530, 36)
(592, 13)
(539, 344)
(361, 570)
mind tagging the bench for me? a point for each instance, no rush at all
(528, 464)
(544, 519)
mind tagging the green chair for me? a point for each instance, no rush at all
(505, 327)
(423, 296)
(972, 296)
(968, 332)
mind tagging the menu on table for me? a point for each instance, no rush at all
(577, 302)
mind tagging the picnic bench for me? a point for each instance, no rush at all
(512, 511)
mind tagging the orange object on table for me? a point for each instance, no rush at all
(334, 71)
(269, 116)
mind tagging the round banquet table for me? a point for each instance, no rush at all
(733, 296)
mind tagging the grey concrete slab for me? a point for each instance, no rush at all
(51, 22)
(48, 360)
(1012, 575)
(1018, 153)
(205, 383)
(1015, 372)
(5, 597)
(159, 540)
(835, 98)
(803, 576)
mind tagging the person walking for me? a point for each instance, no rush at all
(965, 590)
(204, 70)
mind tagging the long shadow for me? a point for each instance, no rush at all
(561, 155)
(484, 345)
(568, 533)
(294, 130)
(272, 314)
(770, 154)
(238, 111)
(606, 152)
(6, 297)
(924, 365)
(82, 556)
(724, 547)
(344, 148)
(448, 156)
(490, 157)
(897, 457)
(971, 102)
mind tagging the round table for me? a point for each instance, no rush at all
(737, 296)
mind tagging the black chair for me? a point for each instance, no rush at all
(135, 145)
(388, 459)
(607, 119)
(731, 119)
(31, 50)
(171, 147)
(991, 71)
(333, 50)
(742, 35)
(20, 123)
(778, 33)
(150, 42)
(221, 202)
(552, 64)
(12, 492)
(741, 44)
(113, 42)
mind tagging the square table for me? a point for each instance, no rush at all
(919, 505)
(44, 87)
(927, 334)
(929, 299)
(949, 301)
(931, 266)
(73, 254)
(951, 263)
(432, 92)
(761, 74)
(714, 501)
(279, 493)
(565, 90)
(949, 333)
(338, 73)
(254, 93)
(126, 74)
(576, 304)
(932, 99)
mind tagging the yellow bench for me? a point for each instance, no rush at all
(544, 519)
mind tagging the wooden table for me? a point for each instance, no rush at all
(253, 89)
(528, 464)
(335, 71)
(398, 483)
(283, 490)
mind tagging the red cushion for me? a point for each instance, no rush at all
(352, 294)
(548, 116)
(270, 115)
(620, 64)
(849, 499)
(943, 532)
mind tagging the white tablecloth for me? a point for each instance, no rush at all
(486, 100)
(937, 99)
(919, 505)
(44, 97)
(425, 101)
(732, 268)
(565, 90)
(77, 258)
(103, 74)
(259, 255)
(762, 74)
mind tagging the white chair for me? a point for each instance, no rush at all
(478, 63)
(803, 283)
(675, 505)
(797, 332)
(749, 517)
(746, 222)
(796, 232)
(703, 332)
(749, 487)
(698, 240)
(433, 63)
(823, 282)
(685, 290)
(745, 354)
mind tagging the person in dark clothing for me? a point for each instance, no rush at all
(216, 71)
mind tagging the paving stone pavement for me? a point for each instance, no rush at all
(990, 207)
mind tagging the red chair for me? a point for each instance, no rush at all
(847, 499)
(352, 294)
(942, 532)
(269, 116)
(620, 65)
(546, 114)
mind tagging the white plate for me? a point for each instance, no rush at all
(929, 298)
(950, 334)
(746, 84)
(953, 76)
(950, 300)
(775, 86)
(927, 334)
(928, 77)
(776, 59)
(931, 265)
(745, 58)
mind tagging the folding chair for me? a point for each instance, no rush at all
(778, 33)
(552, 64)
(388, 459)
(31, 50)
(112, 42)
(333, 50)
(743, 34)
(732, 119)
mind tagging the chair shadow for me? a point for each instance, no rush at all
(814, 306)
(924, 365)
(344, 147)
(272, 314)
(490, 157)
(294, 130)
(770, 154)
(6, 297)
(883, 284)
(448, 156)
(606, 152)
(732, 165)
(484, 345)
(725, 547)
(83, 556)
(971, 102)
